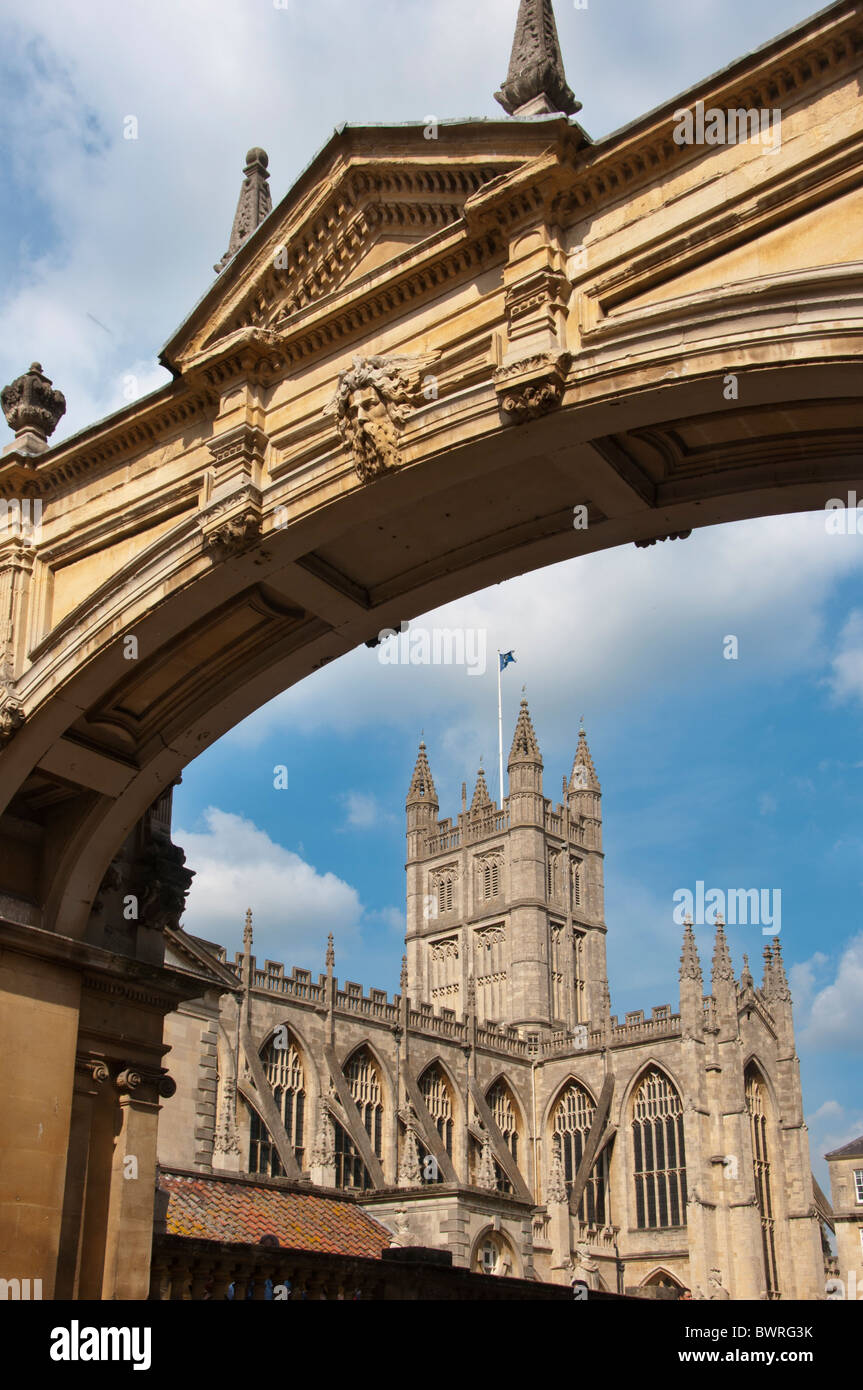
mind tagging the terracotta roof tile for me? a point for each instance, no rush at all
(212, 1208)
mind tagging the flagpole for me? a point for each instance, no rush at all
(499, 731)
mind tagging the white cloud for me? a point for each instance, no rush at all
(835, 1016)
(363, 811)
(237, 866)
(846, 677)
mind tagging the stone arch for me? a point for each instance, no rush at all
(570, 1141)
(387, 1078)
(623, 1104)
(520, 1104)
(753, 1061)
(661, 1276)
(548, 1110)
(506, 1248)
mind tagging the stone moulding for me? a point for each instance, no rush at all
(532, 386)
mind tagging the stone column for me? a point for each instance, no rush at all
(130, 1210)
(90, 1073)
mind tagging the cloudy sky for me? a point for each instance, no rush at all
(741, 773)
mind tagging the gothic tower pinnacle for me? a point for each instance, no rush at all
(536, 82)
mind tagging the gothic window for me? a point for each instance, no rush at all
(490, 878)
(573, 1116)
(756, 1106)
(490, 974)
(364, 1080)
(502, 1106)
(551, 867)
(283, 1069)
(576, 883)
(445, 893)
(445, 971)
(660, 1159)
(438, 1098)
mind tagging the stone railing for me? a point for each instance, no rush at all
(553, 823)
(296, 986)
(438, 844)
(489, 825)
(639, 1029)
(425, 1021)
(504, 1042)
(376, 1005)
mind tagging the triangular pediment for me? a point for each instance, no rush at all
(372, 197)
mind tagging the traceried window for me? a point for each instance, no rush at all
(573, 1116)
(756, 1106)
(660, 1158)
(364, 1081)
(284, 1070)
(577, 870)
(502, 1106)
(436, 1094)
(445, 893)
(490, 878)
(858, 1185)
(551, 874)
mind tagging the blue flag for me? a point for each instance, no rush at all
(505, 659)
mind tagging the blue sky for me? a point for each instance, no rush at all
(740, 773)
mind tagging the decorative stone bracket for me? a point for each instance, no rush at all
(232, 519)
(533, 386)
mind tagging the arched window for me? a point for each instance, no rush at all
(756, 1106)
(364, 1081)
(283, 1069)
(444, 893)
(436, 1094)
(660, 1159)
(502, 1106)
(573, 1116)
(490, 878)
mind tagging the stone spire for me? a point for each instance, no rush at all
(767, 982)
(247, 929)
(781, 988)
(403, 982)
(722, 968)
(525, 748)
(583, 773)
(536, 82)
(422, 788)
(254, 204)
(486, 1176)
(746, 980)
(557, 1192)
(331, 954)
(481, 799)
(690, 965)
(33, 409)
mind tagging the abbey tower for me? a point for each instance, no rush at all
(507, 902)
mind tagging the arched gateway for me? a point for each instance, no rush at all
(451, 354)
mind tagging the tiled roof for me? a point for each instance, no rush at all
(852, 1150)
(240, 1213)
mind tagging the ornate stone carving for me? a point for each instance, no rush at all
(486, 1176)
(12, 716)
(374, 399)
(226, 1139)
(33, 409)
(672, 536)
(536, 81)
(532, 386)
(235, 534)
(166, 883)
(139, 1081)
(445, 950)
(410, 1172)
(557, 1192)
(254, 204)
(324, 1150)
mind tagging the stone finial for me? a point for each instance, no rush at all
(254, 204)
(722, 967)
(481, 799)
(486, 1176)
(247, 929)
(536, 82)
(525, 747)
(331, 954)
(583, 775)
(557, 1193)
(781, 988)
(746, 980)
(410, 1172)
(422, 787)
(690, 965)
(403, 982)
(33, 409)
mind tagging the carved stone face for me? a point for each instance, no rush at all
(373, 435)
